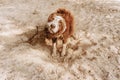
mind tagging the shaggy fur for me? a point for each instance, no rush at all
(60, 25)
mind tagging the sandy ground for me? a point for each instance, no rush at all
(95, 57)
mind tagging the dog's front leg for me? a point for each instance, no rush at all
(64, 49)
(54, 49)
(54, 53)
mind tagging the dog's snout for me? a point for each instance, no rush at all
(52, 26)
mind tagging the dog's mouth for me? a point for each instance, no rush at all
(51, 30)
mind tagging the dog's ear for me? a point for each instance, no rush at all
(46, 28)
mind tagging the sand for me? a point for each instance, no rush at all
(93, 55)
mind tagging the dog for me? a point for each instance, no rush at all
(60, 25)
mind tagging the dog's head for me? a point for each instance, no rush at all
(56, 23)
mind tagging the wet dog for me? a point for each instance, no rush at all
(60, 25)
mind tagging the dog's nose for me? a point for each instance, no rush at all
(52, 26)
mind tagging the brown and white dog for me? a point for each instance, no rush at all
(60, 25)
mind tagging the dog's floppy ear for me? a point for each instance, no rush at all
(46, 29)
(66, 14)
